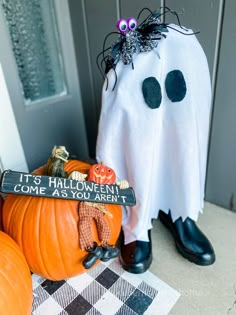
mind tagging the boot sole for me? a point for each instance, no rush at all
(137, 268)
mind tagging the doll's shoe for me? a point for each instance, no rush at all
(95, 253)
(109, 252)
(189, 240)
(136, 257)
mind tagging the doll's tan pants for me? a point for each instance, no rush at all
(88, 213)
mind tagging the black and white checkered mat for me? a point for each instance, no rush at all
(105, 290)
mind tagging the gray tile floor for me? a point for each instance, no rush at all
(204, 290)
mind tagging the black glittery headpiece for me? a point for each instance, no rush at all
(134, 38)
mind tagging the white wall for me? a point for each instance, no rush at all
(11, 151)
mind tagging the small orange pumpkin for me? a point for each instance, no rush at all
(101, 174)
(15, 280)
(46, 229)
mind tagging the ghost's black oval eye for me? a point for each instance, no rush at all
(152, 92)
(175, 86)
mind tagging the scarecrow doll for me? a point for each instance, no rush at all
(89, 211)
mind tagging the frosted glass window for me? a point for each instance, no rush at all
(35, 41)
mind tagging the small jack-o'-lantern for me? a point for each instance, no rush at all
(101, 174)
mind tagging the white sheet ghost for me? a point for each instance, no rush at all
(161, 151)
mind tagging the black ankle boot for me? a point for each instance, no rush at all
(136, 257)
(109, 252)
(95, 253)
(190, 241)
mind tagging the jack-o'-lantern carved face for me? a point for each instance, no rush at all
(101, 174)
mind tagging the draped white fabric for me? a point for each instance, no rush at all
(161, 152)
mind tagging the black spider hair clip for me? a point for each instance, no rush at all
(135, 38)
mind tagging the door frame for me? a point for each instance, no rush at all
(11, 151)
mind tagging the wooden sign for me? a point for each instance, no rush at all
(55, 187)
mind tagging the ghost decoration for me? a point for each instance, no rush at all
(153, 129)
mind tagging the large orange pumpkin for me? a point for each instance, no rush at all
(15, 279)
(47, 230)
